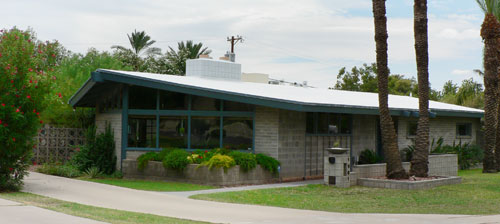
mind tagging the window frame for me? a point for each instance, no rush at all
(468, 128)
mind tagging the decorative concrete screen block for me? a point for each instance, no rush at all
(208, 68)
(337, 167)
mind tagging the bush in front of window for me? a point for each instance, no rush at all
(220, 161)
(246, 161)
(268, 163)
(368, 156)
(468, 154)
(177, 160)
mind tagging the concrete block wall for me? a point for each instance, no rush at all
(292, 140)
(364, 133)
(439, 165)
(113, 117)
(445, 127)
(266, 131)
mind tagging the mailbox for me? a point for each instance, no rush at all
(337, 167)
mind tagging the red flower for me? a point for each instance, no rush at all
(3, 104)
(53, 55)
(14, 139)
(28, 96)
(206, 151)
(0, 121)
(34, 111)
(10, 169)
(201, 157)
(41, 122)
(30, 69)
(17, 110)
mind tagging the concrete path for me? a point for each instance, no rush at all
(13, 212)
(244, 188)
(158, 203)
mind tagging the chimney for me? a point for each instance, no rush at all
(218, 69)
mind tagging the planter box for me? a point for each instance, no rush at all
(408, 185)
(198, 175)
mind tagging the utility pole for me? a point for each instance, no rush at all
(234, 40)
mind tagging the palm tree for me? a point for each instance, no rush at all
(490, 34)
(185, 51)
(141, 43)
(394, 168)
(420, 159)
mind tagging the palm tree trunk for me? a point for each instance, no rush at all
(490, 33)
(419, 163)
(389, 140)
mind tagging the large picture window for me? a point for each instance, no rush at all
(328, 123)
(173, 132)
(164, 119)
(238, 133)
(142, 132)
(205, 132)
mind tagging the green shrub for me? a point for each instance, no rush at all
(408, 153)
(26, 79)
(59, 170)
(220, 161)
(268, 163)
(143, 160)
(246, 161)
(468, 154)
(368, 156)
(177, 160)
(98, 151)
(93, 172)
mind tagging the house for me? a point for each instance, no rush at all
(211, 107)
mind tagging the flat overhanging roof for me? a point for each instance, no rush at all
(277, 96)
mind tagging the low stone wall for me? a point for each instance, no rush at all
(408, 185)
(439, 165)
(198, 175)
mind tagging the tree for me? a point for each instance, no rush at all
(141, 43)
(469, 93)
(420, 159)
(362, 79)
(490, 32)
(26, 67)
(394, 169)
(185, 51)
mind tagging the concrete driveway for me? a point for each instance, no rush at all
(13, 212)
(158, 203)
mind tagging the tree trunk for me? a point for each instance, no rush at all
(489, 33)
(420, 159)
(389, 140)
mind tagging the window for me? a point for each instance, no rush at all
(205, 132)
(464, 130)
(236, 106)
(237, 133)
(173, 132)
(142, 98)
(142, 132)
(412, 128)
(173, 101)
(205, 103)
(328, 123)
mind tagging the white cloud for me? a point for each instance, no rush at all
(321, 31)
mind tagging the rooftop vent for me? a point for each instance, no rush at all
(208, 68)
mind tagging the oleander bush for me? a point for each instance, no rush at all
(368, 156)
(26, 78)
(98, 151)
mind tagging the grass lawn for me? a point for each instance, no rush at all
(91, 212)
(148, 185)
(478, 194)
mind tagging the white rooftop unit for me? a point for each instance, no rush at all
(209, 68)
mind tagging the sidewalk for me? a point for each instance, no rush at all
(13, 212)
(186, 194)
(163, 204)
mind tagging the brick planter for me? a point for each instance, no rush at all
(198, 175)
(408, 185)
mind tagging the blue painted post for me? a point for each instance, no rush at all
(221, 124)
(189, 122)
(157, 119)
(124, 124)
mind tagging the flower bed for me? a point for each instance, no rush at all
(193, 173)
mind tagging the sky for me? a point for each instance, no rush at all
(293, 40)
